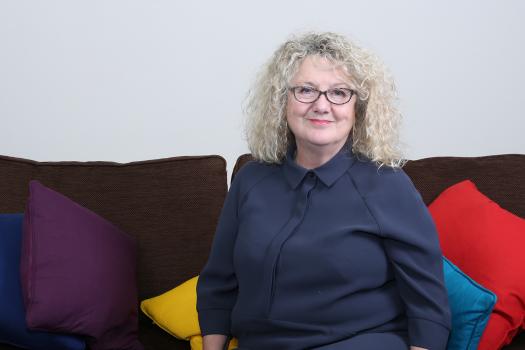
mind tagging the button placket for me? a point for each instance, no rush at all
(274, 251)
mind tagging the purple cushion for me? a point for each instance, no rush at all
(78, 272)
(13, 329)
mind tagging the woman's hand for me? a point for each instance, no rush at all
(213, 342)
(417, 348)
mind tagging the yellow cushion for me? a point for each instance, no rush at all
(176, 312)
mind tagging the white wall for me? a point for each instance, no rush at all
(122, 80)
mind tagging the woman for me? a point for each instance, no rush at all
(323, 242)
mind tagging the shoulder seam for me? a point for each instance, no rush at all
(243, 195)
(380, 230)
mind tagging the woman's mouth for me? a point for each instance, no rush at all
(320, 121)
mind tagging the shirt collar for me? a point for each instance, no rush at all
(328, 173)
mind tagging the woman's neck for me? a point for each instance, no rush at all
(314, 157)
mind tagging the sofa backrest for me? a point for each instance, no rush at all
(499, 177)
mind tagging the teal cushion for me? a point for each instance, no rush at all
(470, 304)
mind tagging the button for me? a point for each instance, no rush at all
(311, 174)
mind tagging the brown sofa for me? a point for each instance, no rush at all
(171, 207)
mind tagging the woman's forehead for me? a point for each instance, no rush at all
(312, 66)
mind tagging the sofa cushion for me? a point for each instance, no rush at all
(13, 329)
(78, 272)
(486, 242)
(500, 177)
(470, 304)
(171, 206)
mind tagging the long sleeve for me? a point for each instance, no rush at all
(217, 284)
(412, 246)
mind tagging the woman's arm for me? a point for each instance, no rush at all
(411, 243)
(217, 284)
(215, 342)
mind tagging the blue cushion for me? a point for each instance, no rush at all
(12, 317)
(471, 305)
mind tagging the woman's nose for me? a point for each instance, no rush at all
(321, 105)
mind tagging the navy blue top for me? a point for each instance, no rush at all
(303, 258)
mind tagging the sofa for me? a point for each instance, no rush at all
(171, 207)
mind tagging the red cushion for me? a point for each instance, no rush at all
(487, 242)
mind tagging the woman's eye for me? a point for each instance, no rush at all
(305, 90)
(339, 93)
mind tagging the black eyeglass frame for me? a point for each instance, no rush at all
(319, 93)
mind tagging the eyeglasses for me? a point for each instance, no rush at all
(307, 94)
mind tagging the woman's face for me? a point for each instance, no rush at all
(320, 126)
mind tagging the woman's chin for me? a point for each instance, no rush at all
(323, 143)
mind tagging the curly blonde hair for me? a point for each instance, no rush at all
(375, 134)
